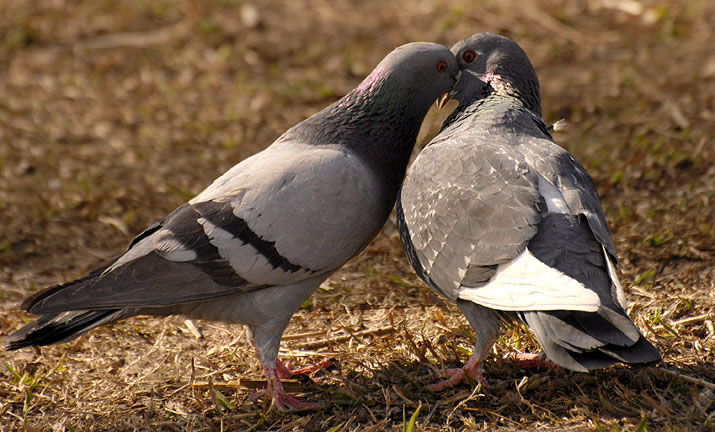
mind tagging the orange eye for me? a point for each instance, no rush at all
(469, 56)
(441, 66)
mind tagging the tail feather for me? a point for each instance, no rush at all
(571, 337)
(594, 326)
(61, 327)
(582, 341)
(37, 298)
(559, 353)
(590, 360)
(640, 352)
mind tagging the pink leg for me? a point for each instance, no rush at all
(274, 389)
(530, 361)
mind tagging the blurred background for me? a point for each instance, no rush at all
(114, 113)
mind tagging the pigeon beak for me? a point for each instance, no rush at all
(442, 101)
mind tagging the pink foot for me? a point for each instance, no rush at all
(530, 361)
(321, 365)
(282, 400)
(284, 370)
(285, 402)
(468, 373)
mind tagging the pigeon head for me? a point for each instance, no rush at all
(499, 62)
(418, 71)
(391, 102)
(387, 108)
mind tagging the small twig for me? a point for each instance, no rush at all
(193, 329)
(684, 321)
(14, 415)
(209, 423)
(296, 424)
(153, 348)
(432, 411)
(212, 395)
(247, 384)
(641, 292)
(699, 148)
(178, 390)
(402, 396)
(304, 335)
(378, 426)
(472, 396)
(149, 410)
(158, 366)
(134, 39)
(507, 419)
(656, 405)
(304, 353)
(690, 379)
(336, 340)
(193, 371)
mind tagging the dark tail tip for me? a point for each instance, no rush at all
(59, 327)
(642, 352)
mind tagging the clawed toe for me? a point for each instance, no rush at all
(530, 360)
(286, 402)
(453, 377)
(280, 399)
(469, 373)
(284, 371)
(321, 365)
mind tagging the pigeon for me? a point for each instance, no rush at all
(254, 245)
(494, 216)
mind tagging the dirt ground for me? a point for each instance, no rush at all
(114, 113)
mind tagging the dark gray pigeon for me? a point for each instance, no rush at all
(497, 218)
(256, 243)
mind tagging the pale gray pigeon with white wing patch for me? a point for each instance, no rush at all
(498, 218)
(255, 244)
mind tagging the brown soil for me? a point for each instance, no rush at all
(113, 113)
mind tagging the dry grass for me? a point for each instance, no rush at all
(112, 113)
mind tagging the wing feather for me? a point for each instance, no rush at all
(276, 218)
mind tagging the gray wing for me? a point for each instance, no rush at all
(277, 218)
(564, 172)
(560, 169)
(468, 208)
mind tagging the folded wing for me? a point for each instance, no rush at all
(271, 220)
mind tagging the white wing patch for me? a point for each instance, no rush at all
(173, 250)
(620, 295)
(526, 283)
(555, 202)
(161, 242)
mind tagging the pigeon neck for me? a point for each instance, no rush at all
(492, 109)
(377, 121)
(525, 91)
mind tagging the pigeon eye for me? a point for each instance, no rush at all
(441, 66)
(469, 56)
